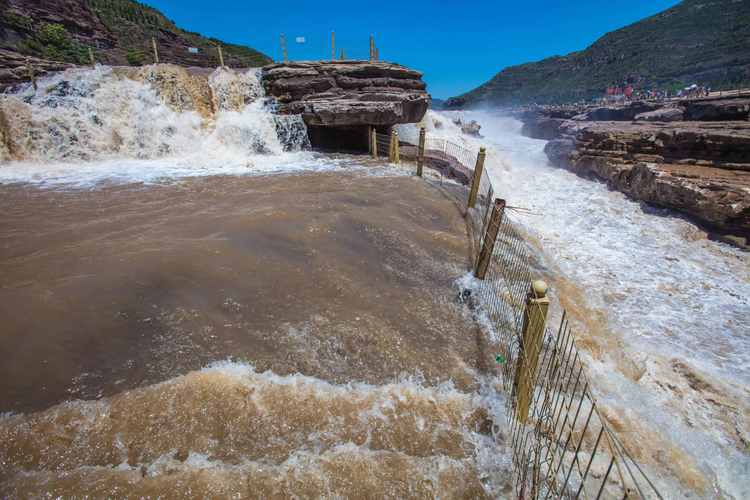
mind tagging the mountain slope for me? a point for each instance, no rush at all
(697, 41)
(118, 31)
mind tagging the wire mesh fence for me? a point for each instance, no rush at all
(561, 443)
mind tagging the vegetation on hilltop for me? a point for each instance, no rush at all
(697, 41)
(118, 31)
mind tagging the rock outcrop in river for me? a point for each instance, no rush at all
(338, 100)
(691, 156)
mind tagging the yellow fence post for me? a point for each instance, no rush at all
(392, 147)
(30, 71)
(477, 178)
(420, 152)
(377, 54)
(488, 240)
(534, 320)
(156, 51)
(396, 153)
(372, 48)
(374, 142)
(221, 56)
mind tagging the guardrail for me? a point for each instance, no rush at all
(561, 443)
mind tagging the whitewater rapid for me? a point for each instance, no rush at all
(663, 312)
(86, 126)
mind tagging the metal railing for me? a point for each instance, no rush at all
(562, 445)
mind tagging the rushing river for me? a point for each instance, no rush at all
(663, 312)
(144, 243)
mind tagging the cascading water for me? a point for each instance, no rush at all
(663, 311)
(87, 125)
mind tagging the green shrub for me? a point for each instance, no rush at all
(135, 57)
(54, 35)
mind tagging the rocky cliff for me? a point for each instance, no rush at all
(56, 33)
(338, 100)
(663, 156)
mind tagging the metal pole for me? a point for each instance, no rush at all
(392, 147)
(420, 152)
(374, 141)
(490, 235)
(534, 319)
(333, 46)
(283, 48)
(343, 55)
(377, 54)
(156, 51)
(221, 56)
(477, 178)
(91, 57)
(372, 48)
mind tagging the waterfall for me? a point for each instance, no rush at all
(159, 112)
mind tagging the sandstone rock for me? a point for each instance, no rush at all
(471, 128)
(661, 115)
(699, 168)
(717, 109)
(542, 127)
(347, 93)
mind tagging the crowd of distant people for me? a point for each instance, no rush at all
(626, 92)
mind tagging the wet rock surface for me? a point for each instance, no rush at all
(348, 93)
(690, 156)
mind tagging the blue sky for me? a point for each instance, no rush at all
(458, 45)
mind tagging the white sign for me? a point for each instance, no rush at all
(300, 39)
(193, 50)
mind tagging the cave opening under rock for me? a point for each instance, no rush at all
(344, 139)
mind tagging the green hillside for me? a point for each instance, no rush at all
(698, 41)
(118, 31)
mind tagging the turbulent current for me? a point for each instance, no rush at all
(663, 312)
(177, 322)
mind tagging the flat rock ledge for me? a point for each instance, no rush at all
(347, 93)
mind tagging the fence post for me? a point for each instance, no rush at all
(377, 54)
(534, 319)
(420, 152)
(30, 71)
(221, 56)
(477, 178)
(374, 143)
(488, 241)
(396, 152)
(392, 147)
(156, 51)
(372, 48)
(91, 57)
(283, 48)
(333, 46)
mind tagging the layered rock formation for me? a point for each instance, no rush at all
(663, 156)
(346, 93)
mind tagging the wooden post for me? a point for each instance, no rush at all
(372, 48)
(534, 319)
(156, 51)
(221, 56)
(283, 48)
(477, 178)
(333, 46)
(30, 71)
(374, 143)
(343, 55)
(420, 152)
(488, 241)
(91, 57)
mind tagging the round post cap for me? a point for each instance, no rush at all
(540, 288)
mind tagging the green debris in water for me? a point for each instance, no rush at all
(500, 359)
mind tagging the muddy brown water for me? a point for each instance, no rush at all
(332, 293)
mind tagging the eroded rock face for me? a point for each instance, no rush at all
(717, 110)
(699, 168)
(348, 93)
